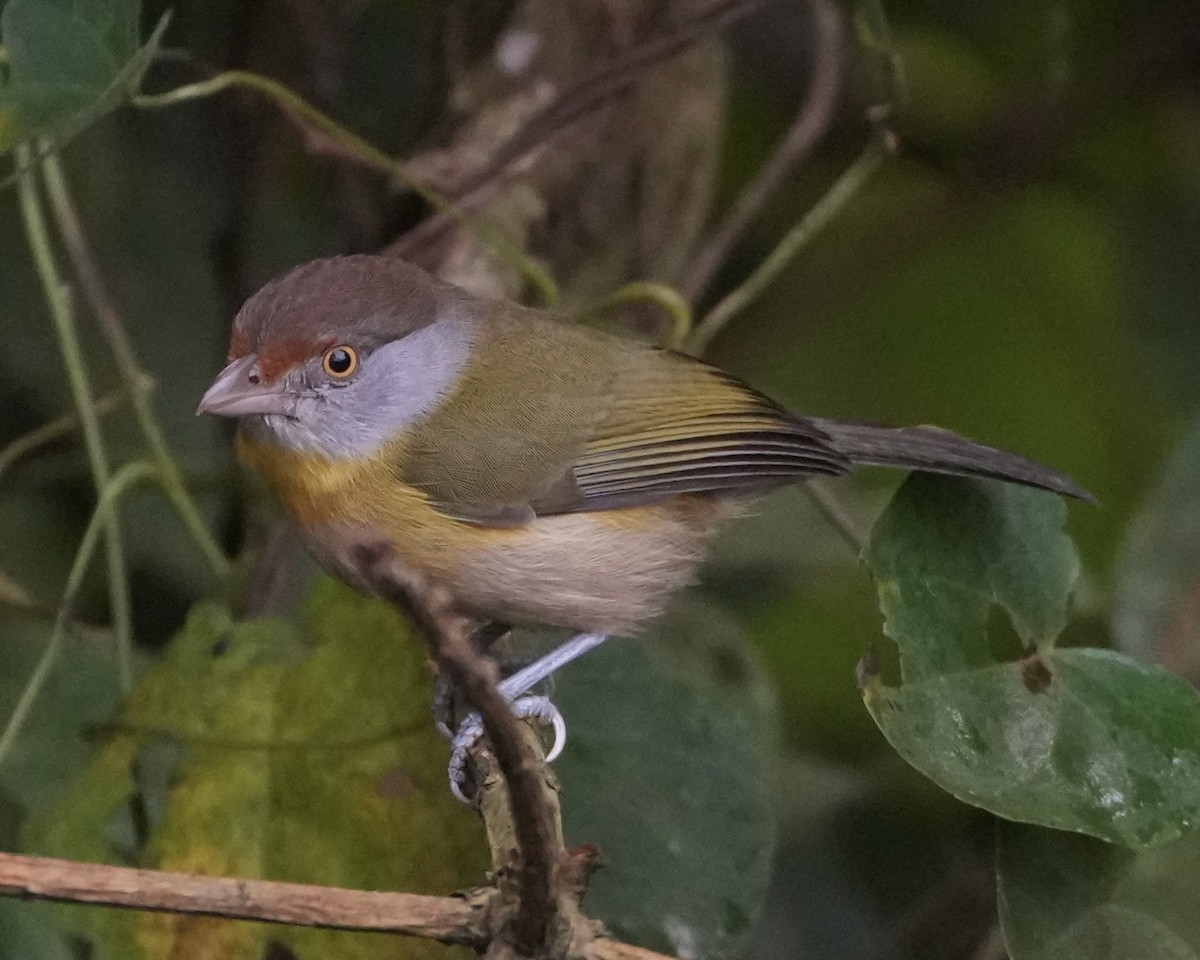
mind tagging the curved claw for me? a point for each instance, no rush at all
(471, 729)
(544, 710)
(514, 688)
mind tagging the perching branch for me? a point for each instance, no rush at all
(534, 820)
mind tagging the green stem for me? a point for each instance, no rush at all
(839, 518)
(72, 354)
(825, 209)
(120, 482)
(55, 429)
(136, 381)
(345, 143)
(667, 299)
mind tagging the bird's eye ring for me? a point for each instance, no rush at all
(340, 362)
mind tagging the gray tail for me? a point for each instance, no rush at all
(934, 450)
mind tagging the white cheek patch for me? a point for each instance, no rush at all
(401, 382)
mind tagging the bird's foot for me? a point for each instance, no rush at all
(515, 689)
(541, 709)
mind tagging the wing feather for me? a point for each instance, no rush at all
(708, 433)
(604, 423)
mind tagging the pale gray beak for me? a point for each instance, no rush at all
(239, 391)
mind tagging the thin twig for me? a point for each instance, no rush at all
(325, 135)
(832, 203)
(30, 607)
(463, 920)
(136, 381)
(812, 120)
(120, 482)
(53, 430)
(534, 823)
(81, 392)
(838, 517)
(592, 91)
(666, 299)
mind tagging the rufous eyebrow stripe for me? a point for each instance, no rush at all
(279, 358)
(239, 346)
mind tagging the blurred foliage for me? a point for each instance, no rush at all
(1072, 896)
(662, 774)
(68, 63)
(1156, 604)
(250, 749)
(1023, 272)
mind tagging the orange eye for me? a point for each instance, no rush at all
(340, 361)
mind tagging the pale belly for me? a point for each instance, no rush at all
(605, 572)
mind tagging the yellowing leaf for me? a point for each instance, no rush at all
(251, 750)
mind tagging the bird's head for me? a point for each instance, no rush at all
(341, 355)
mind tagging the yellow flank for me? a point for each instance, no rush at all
(322, 493)
(604, 570)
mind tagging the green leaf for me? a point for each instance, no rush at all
(1083, 740)
(946, 550)
(81, 690)
(1156, 613)
(665, 771)
(23, 929)
(1068, 897)
(69, 63)
(251, 750)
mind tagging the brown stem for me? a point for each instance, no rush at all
(534, 819)
(464, 920)
(448, 919)
(812, 120)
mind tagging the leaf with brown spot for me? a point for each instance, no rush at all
(1078, 739)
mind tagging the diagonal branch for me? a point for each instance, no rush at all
(592, 91)
(534, 820)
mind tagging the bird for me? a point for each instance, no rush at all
(543, 472)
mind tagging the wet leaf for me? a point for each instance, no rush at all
(665, 772)
(1067, 897)
(1084, 740)
(251, 750)
(69, 63)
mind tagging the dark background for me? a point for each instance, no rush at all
(1025, 272)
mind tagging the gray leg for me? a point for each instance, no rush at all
(514, 688)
